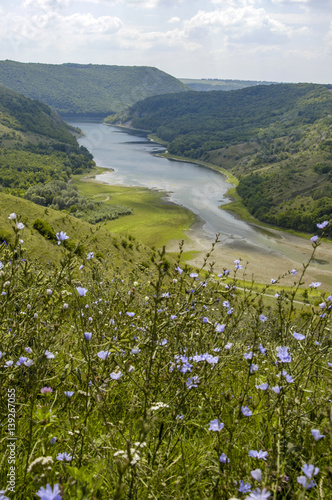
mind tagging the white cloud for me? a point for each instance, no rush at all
(47, 4)
(173, 20)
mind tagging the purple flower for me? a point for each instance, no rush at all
(258, 454)
(316, 434)
(315, 284)
(248, 355)
(64, 457)
(262, 387)
(220, 328)
(49, 493)
(179, 270)
(289, 379)
(258, 494)
(69, 393)
(130, 314)
(257, 474)
(87, 335)
(276, 389)
(323, 224)
(283, 355)
(244, 487)
(246, 411)
(46, 390)
(298, 336)
(253, 368)
(192, 382)
(116, 376)
(53, 440)
(223, 459)
(81, 291)
(228, 345)
(303, 481)
(49, 355)
(20, 225)
(61, 237)
(262, 349)
(90, 255)
(102, 354)
(293, 272)
(309, 470)
(215, 425)
(262, 318)
(21, 361)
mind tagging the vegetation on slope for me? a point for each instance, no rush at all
(89, 89)
(158, 383)
(276, 139)
(208, 84)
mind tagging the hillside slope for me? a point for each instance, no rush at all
(276, 139)
(95, 90)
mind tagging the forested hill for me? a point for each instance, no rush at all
(277, 139)
(95, 90)
(208, 84)
(36, 145)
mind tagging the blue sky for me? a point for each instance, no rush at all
(274, 40)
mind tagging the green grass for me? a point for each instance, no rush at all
(154, 221)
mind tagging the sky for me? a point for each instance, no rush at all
(264, 40)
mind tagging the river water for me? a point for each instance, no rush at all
(132, 161)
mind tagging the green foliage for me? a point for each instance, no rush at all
(86, 89)
(45, 229)
(145, 379)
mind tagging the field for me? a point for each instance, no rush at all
(159, 383)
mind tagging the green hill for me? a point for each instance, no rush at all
(208, 84)
(95, 90)
(276, 139)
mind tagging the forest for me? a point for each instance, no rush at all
(275, 139)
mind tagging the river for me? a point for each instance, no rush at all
(132, 161)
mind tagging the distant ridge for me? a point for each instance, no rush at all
(208, 84)
(87, 89)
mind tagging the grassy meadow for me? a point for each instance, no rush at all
(160, 382)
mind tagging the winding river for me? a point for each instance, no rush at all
(132, 161)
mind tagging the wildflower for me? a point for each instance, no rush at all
(130, 314)
(215, 425)
(49, 493)
(12, 216)
(258, 494)
(262, 318)
(179, 270)
(298, 336)
(303, 481)
(314, 239)
(53, 440)
(69, 393)
(81, 291)
(9, 363)
(323, 224)
(192, 382)
(21, 361)
(253, 368)
(27, 349)
(223, 459)
(49, 355)
(87, 335)
(20, 225)
(309, 470)
(228, 345)
(102, 354)
(246, 411)
(293, 272)
(116, 376)
(28, 362)
(316, 434)
(258, 454)
(257, 474)
(2, 354)
(159, 405)
(49, 291)
(220, 328)
(262, 387)
(193, 275)
(244, 487)
(61, 236)
(276, 389)
(46, 390)
(135, 350)
(173, 316)
(315, 284)
(289, 379)
(90, 255)
(248, 355)
(273, 281)
(262, 349)
(283, 355)
(64, 457)
(1, 265)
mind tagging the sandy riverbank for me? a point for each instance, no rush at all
(263, 265)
